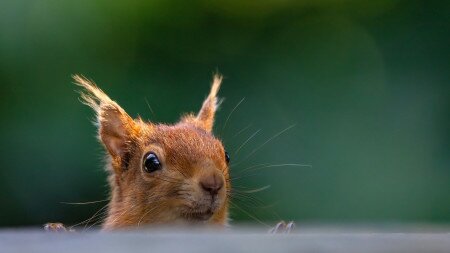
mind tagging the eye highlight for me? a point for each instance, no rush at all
(227, 157)
(151, 162)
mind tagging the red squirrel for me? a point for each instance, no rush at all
(159, 173)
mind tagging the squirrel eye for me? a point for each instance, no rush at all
(227, 157)
(151, 162)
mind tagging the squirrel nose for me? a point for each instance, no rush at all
(211, 183)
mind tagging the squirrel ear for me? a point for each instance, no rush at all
(115, 127)
(205, 117)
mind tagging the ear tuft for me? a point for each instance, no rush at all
(217, 81)
(95, 97)
(205, 117)
(116, 128)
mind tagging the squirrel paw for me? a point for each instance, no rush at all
(56, 227)
(282, 228)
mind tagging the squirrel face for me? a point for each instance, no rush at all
(161, 174)
(191, 179)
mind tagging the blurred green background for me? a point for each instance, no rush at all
(365, 82)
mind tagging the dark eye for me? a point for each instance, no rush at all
(227, 157)
(151, 162)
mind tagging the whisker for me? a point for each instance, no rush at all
(140, 220)
(231, 113)
(248, 203)
(240, 187)
(92, 217)
(257, 189)
(252, 204)
(149, 107)
(256, 202)
(97, 222)
(126, 210)
(270, 166)
(279, 165)
(246, 198)
(253, 166)
(84, 203)
(249, 215)
(246, 141)
(269, 140)
(95, 214)
(242, 130)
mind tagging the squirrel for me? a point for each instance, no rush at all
(159, 173)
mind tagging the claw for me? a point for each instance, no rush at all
(55, 227)
(282, 228)
(289, 227)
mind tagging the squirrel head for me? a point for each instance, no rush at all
(159, 173)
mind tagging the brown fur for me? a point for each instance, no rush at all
(188, 152)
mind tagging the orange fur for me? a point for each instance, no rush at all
(190, 156)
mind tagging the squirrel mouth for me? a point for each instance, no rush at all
(198, 216)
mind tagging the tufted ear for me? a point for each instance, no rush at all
(205, 117)
(115, 128)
